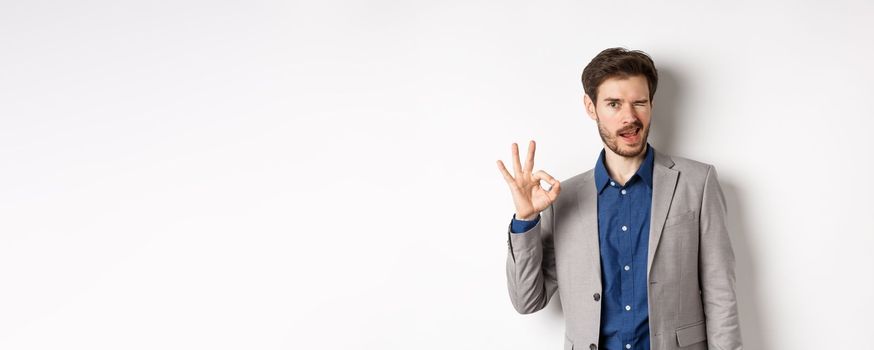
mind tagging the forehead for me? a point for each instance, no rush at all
(633, 87)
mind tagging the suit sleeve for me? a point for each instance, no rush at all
(531, 275)
(520, 226)
(716, 268)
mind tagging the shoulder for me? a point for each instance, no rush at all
(578, 183)
(690, 165)
(573, 190)
(690, 170)
(581, 178)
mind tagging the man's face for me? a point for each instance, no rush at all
(623, 114)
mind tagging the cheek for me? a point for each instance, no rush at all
(608, 128)
(605, 111)
(647, 122)
(645, 116)
(608, 118)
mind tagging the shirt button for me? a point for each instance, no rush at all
(612, 183)
(624, 228)
(623, 191)
(597, 296)
(627, 267)
(628, 346)
(593, 347)
(627, 307)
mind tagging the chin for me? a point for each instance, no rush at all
(631, 151)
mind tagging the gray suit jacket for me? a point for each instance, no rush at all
(690, 266)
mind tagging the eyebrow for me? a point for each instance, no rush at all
(611, 99)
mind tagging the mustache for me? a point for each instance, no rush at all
(635, 125)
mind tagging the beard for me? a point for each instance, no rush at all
(612, 140)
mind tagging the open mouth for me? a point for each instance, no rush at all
(631, 135)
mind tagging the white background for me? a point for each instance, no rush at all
(295, 175)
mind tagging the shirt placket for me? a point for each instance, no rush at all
(626, 254)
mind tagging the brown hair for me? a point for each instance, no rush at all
(618, 62)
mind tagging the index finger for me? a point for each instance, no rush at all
(555, 187)
(509, 178)
(517, 167)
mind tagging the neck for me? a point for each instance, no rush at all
(622, 168)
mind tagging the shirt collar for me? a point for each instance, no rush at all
(644, 172)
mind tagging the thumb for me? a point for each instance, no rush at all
(555, 186)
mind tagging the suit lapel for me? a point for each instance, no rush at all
(664, 182)
(588, 200)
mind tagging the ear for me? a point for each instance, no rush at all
(590, 106)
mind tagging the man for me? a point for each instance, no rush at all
(636, 247)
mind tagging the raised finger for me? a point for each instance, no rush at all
(509, 178)
(529, 164)
(517, 168)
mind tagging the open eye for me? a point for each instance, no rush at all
(613, 104)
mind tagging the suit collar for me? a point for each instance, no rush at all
(602, 177)
(662, 159)
(664, 186)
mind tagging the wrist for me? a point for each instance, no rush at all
(528, 217)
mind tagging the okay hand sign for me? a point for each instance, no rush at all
(530, 199)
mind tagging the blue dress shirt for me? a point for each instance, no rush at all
(623, 234)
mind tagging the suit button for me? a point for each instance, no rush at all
(597, 296)
(593, 347)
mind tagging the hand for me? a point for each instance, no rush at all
(529, 197)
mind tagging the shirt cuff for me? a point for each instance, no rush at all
(521, 226)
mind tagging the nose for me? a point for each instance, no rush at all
(628, 114)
